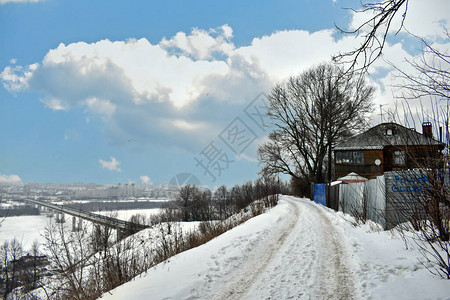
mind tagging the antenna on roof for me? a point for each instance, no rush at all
(381, 111)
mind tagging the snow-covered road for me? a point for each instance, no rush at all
(250, 272)
(297, 250)
(306, 258)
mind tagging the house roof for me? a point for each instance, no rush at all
(386, 134)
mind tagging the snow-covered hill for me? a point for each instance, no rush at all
(297, 250)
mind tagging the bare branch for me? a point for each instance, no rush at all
(374, 40)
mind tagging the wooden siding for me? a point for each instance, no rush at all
(416, 156)
(368, 169)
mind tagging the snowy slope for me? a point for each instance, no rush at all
(298, 250)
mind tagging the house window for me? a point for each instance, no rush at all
(399, 157)
(391, 130)
(358, 158)
(349, 157)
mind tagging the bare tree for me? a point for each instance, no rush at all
(31, 276)
(4, 255)
(309, 113)
(185, 200)
(426, 206)
(88, 264)
(102, 236)
(69, 254)
(139, 219)
(432, 74)
(432, 68)
(10, 253)
(422, 206)
(222, 197)
(374, 32)
(16, 252)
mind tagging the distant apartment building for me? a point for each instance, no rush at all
(115, 192)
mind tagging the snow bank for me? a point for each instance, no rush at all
(385, 267)
(199, 271)
(379, 265)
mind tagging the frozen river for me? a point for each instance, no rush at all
(30, 228)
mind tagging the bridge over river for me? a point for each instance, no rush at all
(123, 228)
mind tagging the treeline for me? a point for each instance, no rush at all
(116, 205)
(194, 204)
(87, 263)
(22, 210)
(20, 269)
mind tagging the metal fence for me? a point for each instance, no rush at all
(389, 199)
(365, 200)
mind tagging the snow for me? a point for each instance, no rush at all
(126, 214)
(25, 229)
(148, 200)
(297, 250)
(30, 228)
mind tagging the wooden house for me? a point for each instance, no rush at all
(387, 147)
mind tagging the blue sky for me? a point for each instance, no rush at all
(118, 91)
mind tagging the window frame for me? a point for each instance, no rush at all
(399, 157)
(349, 157)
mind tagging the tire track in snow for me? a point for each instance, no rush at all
(338, 282)
(244, 277)
(306, 261)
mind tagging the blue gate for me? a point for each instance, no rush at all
(320, 194)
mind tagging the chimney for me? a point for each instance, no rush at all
(427, 129)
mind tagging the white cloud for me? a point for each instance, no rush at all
(54, 103)
(184, 125)
(178, 71)
(150, 72)
(427, 18)
(227, 31)
(286, 53)
(423, 18)
(145, 179)
(112, 165)
(10, 180)
(201, 44)
(243, 156)
(16, 78)
(18, 1)
(102, 107)
(182, 91)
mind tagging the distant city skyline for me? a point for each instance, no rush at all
(142, 91)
